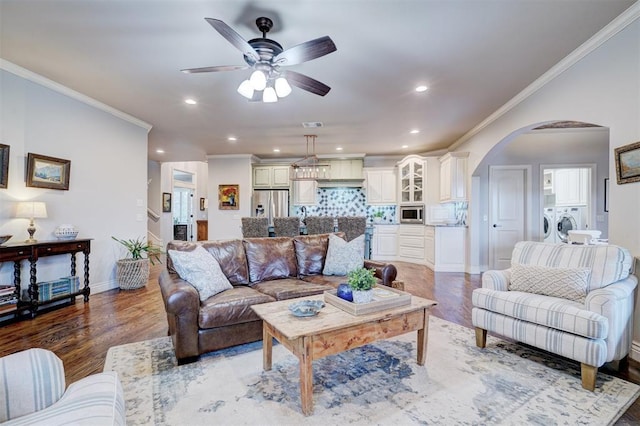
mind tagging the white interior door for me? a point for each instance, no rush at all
(509, 192)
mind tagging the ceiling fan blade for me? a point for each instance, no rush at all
(306, 83)
(215, 69)
(306, 51)
(234, 38)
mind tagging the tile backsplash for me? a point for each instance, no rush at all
(345, 202)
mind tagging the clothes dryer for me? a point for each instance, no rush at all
(569, 219)
(549, 225)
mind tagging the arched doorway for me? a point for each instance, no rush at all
(539, 146)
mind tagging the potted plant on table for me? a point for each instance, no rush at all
(361, 281)
(133, 272)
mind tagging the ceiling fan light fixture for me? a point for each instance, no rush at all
(246, 89)
(258, 80)
(282, 86)
(269, 95)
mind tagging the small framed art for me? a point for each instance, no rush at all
(47, 172)
(166, 202)
(628, 163)
(229, 197)
(4, 165)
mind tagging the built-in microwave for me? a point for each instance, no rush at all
(412, 213)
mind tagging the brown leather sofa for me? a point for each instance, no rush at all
(261, 270)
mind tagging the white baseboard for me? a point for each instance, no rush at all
(103, 286)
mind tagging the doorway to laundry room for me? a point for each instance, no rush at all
(567, 201)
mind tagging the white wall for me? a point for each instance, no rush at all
(108, 177)
(601, 88)
(228, 170)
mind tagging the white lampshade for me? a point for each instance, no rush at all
(246, 89)
(269, 95)
(282, 87)
(31, 209)
(258, 80)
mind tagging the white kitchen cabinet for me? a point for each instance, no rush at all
(453, 177)
(346, 169)
(384, 242)
(411, 243)
(445, 248)
(271, 177)
(304, 192)
(412, 179)
(571, 186)
(381, 186)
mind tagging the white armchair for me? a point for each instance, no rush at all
(575, 301)
(32, 392)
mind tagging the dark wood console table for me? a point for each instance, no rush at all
(18, 252)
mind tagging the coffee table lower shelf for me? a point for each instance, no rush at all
(334, 331)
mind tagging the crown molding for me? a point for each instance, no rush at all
(64, 90)
(623, 20)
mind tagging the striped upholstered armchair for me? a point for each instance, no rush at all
(575, 301)
(32, 392)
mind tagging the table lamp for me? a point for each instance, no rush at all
(31, 210)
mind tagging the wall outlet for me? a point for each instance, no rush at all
(139, 217)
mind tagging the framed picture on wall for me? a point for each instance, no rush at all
(229, 197)
(4, 165)
(628, 163)
(47, 172)
(166, 202)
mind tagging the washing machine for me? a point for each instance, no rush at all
(549, 225)
(569, 219)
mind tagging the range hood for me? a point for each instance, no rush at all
(341, 183)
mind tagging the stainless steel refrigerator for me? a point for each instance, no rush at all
(270, 203)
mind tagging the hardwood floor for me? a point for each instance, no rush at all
(80, 334)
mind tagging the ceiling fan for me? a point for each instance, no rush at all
(269, 82)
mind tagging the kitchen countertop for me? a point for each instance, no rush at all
(449, 225)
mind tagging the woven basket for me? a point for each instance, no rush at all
(132, 274)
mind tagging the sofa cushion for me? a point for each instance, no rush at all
(270, 258)
(552, 312)
(178, 246)
(608, 263)
(231, 257)
(566, 283)
(290, 288)
(201, 270)
(231, 307)
(311, 251)
(343, 257)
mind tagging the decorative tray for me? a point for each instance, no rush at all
(383, 298)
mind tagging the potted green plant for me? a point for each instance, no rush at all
(377, 216)
(361, 281)
(133, 272)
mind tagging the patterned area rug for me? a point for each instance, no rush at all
(381, 383)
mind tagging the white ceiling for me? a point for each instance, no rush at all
(474, 55)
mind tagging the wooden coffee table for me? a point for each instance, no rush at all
(333, 331)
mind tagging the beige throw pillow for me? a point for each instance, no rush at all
(566, 283)
(343, 257)
(201, 270)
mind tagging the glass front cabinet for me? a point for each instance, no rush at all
(412, 179)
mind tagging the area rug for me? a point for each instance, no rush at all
(378, 384)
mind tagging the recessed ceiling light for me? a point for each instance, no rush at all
(190, 101)
(339, 148)
(160, 151)
(414, 131)
(405, 146)
(232, 139)
(421, 88)
(276, 149)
